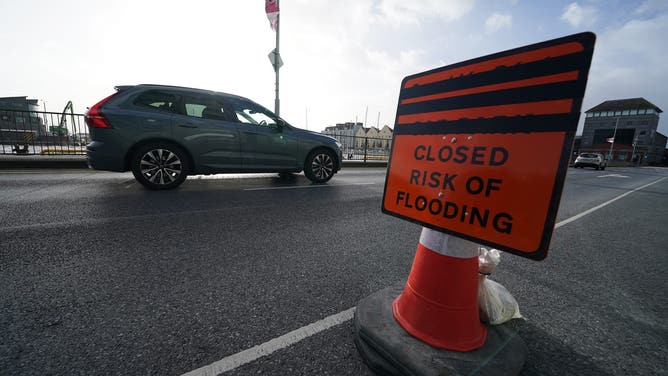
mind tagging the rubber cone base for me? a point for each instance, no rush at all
(389, 350)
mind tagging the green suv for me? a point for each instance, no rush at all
(164, 133)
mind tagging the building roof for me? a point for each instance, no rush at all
(624, 104)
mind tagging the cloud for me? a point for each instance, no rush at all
(628, 63)
(398, 12)
(498, 21)
(578, 16)
(652, 6)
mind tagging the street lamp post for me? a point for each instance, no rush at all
(612, 144)
(46, 122)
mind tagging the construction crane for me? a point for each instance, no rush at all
(61, 128)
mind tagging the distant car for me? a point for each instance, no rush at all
(595, 160)
(164, 133)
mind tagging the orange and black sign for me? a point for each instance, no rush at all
(481, 148)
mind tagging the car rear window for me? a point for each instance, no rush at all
(157, 99)
(588, 155)
(204, 106)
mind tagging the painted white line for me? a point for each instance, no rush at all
(305, 186)
(247, 356)
(613, 176)
(595, 208)
(236, 360)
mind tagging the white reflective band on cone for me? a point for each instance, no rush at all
(446, 245)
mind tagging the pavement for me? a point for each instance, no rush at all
(64, 161)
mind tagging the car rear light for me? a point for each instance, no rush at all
(94, 118)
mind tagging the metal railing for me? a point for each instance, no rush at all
(366, 149)
(37, 132)
(45, 133)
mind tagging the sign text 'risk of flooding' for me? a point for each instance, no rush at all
(481, 148)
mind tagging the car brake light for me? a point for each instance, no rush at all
(94, 118)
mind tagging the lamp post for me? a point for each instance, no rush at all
(46, 122)
(612, 144)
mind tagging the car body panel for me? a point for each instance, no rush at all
(269, 148)
(214, 144)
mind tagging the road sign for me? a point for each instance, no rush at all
(481, 148)
(275, 59)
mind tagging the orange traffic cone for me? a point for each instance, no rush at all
(439, 304)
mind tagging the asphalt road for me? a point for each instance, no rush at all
(100, 276)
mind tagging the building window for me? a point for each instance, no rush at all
(618, 113)
(597, 114)
(589, 114)
(634, 112)
(625, 113)
(641, 111)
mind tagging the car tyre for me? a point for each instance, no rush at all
(320, 166)
(160, 166)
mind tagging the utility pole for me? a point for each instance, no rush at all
(277, 102)
(275, 55)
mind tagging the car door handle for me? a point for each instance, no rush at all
(187, 126)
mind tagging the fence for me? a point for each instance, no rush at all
(367, 149)
(36, 132)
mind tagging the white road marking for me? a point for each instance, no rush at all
(305, 186)
(613, 176)
(247, 356)
(244, 357)
(595, 208)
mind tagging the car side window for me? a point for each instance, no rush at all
(253, 114)
(205, 107)
(157, 99)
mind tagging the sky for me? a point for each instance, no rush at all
(344, 60)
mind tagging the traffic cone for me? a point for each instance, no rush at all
(439, 304)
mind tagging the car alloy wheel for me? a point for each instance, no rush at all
(159, 166)
(320, 166)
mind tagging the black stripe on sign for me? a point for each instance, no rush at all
(561, 90)
(502, 124)
(500, 75)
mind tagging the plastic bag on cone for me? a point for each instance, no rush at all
(496, 304)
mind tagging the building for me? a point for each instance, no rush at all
(356, 136)
(385, 135)
(367, 138)
(625, 130)
(19, 120)
(345, 133)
